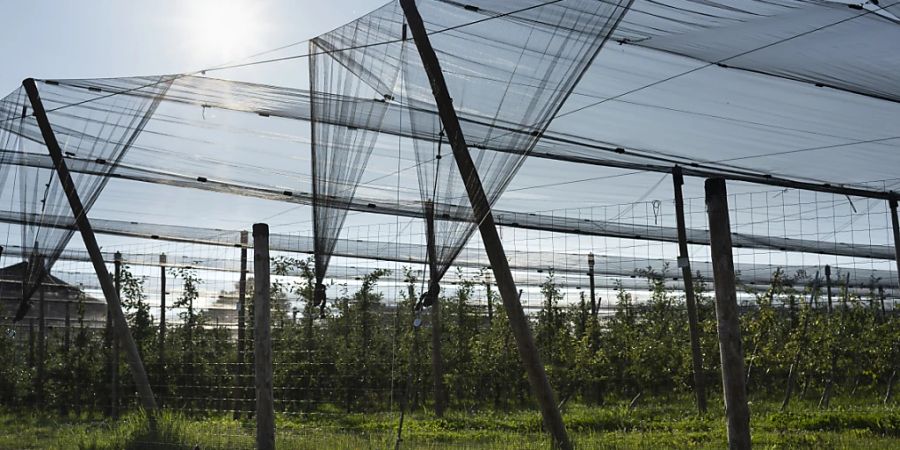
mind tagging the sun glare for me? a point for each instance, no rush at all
(223, 29)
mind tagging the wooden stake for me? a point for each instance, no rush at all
(437, 358)
(537, 377)
(593, 286)
(731, 352)
(161, 346)
(265, 403)
(684, 262)
(828, 287)
(239, 392)
(114, 369)
(90, 243)
(896, 225)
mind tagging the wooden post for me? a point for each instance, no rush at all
(265, 403)
(731, 352)
(437, 358)
(490, 297)
(239, 392)
(684, 262)
(828, 286)
(41, 345)
(114, 369)
(161, 346)
(537, 377)
(90, 243)
(896, 225)
(591, 262)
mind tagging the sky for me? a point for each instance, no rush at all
(95, 38)
(90, 39)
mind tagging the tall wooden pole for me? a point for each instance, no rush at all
(594, 305)
(437, 359)
(265, 402)
(828, 286)
(896, 225)
(161, 349)
(537, 377)
(684, 262)
(731, 352)
(239, 391)
(114, 369)
(90, 243)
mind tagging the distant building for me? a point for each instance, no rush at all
(57, 293)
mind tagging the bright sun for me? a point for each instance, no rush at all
(223, 29)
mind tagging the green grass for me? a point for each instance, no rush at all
(652, 425)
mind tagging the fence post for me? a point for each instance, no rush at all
(265, 408)
(114, 380)
(684, 262)
(161, 346)
(437, 358)
(239, 391)
(594, 305)
(731, 352)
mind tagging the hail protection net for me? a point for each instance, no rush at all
(509, 67)
(345, 66)
(89, 124)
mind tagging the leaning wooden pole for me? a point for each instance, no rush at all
(684, 262)
(121, 330)
(537, 377)
(737, 412)
(265, 401)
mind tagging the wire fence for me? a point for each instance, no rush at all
(360, 354)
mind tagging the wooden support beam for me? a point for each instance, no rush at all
(537, 377)
(122, 332)
(731, 352)
(265, 402)
(684, 262)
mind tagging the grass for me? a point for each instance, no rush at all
(671, 424)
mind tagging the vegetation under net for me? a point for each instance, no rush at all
(340, 374)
